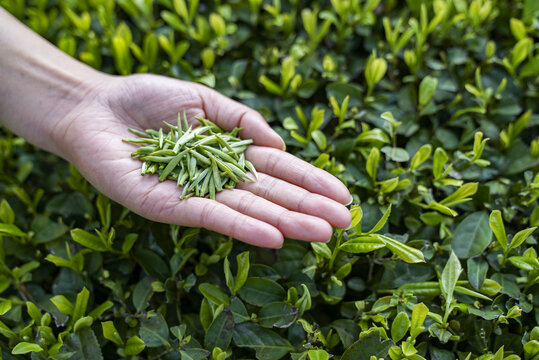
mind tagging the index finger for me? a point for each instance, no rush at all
(229, 114)
(285, 166)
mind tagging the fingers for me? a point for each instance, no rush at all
(218, 217)
(298, 199)
(287, 167)
(292, 224)
(229, 114)
(161, 203)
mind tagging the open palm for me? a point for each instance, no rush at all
(290, 199)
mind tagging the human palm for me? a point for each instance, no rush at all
(290, 199)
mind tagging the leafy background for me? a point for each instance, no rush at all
(427, 110)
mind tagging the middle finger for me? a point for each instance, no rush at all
(298, 199)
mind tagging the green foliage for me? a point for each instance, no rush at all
(427, 112)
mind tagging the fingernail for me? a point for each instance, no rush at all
(350, 202)
(283, 147)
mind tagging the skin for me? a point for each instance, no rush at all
(65, 107)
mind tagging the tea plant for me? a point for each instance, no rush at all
(426, 110)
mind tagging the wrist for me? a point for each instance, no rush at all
(39, 85)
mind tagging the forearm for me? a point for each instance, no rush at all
(39, 84)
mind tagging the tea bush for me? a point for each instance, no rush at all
(426, 110)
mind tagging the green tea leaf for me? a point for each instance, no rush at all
(419, 314)
(427, 88)
(400, 326)
(497, 227)
(142, 294)
(472, 235)
(267, 343)
(214, 294)
(10, 229)
(380, 224)
(154, 330)
(421, 156)
(243, 270)
(110, 333)
(520, 237)
(134, 346)
(25, 348)
(368, 345)
(477, 272)
(450, 276)
(220, 332)
(277, 314)
(362, 244)
(261, 291)
(405, 252)
(88, 240)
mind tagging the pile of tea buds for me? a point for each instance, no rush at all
(204, 160)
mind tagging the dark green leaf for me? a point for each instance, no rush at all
(277, 314)
(142, 294)
(367, 346)
(472, 235)
(267, 343)
(220, 332)
(154, 330)
(261, 291)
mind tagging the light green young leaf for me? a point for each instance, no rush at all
(269, 85)
(243, 270)
(466, 291)
(214, 294)
(427, 88)
(88, 240)
(80, 305)
(524, 263)
(6, 213)
(460, 195)
(380, 224)
(421, 156)
(6, 305)
(400, 326)
(419, 314)
(321, 249)
(518, 29)
(10, 229)
(357, 215)
(440, 159)
(64, 305)
(134, 346)
(450, 276)
(372, 163)
(375, 70)
(319, 139)
(520, 237)
(318, 355)
(34, 312)
(497, 227)
(25, 348)
(229, 278)
(362, 244)
(403, 251)
(83, 323)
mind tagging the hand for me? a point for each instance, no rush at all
(291, 198)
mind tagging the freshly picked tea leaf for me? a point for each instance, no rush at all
(203, 160)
